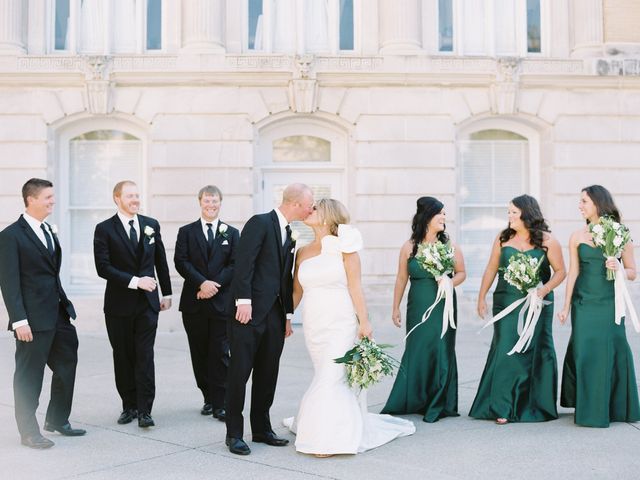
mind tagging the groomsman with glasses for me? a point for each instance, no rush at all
(39, 316)
(128, 252)
(205, 256)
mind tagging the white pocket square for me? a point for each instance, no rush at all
(226, 242)
(152, 241)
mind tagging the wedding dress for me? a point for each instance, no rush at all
(333, 418)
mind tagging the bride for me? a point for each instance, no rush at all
(333, 418)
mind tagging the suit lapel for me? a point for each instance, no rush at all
(34, 238)
(276, 227)
(123, 235)
(196, 229)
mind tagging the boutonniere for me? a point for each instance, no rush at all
(54, 229)
(222, 228)
(295, 234)
(148, 232)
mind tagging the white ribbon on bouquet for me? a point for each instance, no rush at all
(445, 291)
(532, 308)
(623, 300)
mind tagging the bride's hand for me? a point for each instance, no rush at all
(365, 330)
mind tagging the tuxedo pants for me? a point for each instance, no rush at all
(254, 348)
(132, 339)
(208, 346)
(57, 348)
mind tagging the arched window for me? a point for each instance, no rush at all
(490, 27)
(103, 27)
(493, 168)
(300, 26)
(95, 161)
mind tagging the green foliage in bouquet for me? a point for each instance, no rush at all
(367, 363)
(436, 258)
(522, 272)
(611, 237)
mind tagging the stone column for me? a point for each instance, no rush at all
(202, 25)
(13, 26)
(587, 27)
(400, 22)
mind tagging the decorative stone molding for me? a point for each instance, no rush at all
(627, 67)
(587, 27)
(303, 88)
(400, 22)
(503, 92)
(202, 25)
(98, 86)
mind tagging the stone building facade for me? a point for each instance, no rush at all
(374, 102)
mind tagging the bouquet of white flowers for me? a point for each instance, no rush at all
(611, 237)
(522, 272)
(436, 258)
(367, 363)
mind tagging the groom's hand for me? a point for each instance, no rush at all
(243, 313)
(288, 330)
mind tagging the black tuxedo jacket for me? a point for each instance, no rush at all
(30, 278)
(196, 266)
(118, 262)
(264, 268)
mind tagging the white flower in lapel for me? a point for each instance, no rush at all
(295, 234)
(222, 228)
(54, 229)
(148, 231)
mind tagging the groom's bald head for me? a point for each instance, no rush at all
(297, 201)
(296, 193)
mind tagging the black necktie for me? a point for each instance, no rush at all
(209, 238)
(133, 235)
(47, 237)
(288, 230)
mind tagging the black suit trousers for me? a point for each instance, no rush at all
(258, 348)
(57, 348)
(132, 338)
(208, 345)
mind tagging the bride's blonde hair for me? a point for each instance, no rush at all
(332, 213)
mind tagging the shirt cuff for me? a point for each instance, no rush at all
(289, 316)
(19, 323)
(167, 297)
(243, 301)
(133, 284)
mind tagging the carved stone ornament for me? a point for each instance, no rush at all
(98, 86)
(303, 88)
(503, 93)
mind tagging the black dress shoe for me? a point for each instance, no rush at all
(127, 416)
(237, 446)
(207, 409)
(270, 438)
(220, 414)
(65, 430)
(145, 420)
(36, 441)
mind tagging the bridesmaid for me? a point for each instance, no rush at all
(598, 377)
(521, 387)
(427, 381)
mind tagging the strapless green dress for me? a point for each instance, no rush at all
(427, 381)
(598, 378)
(521, 387)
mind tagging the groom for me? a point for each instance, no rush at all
(263, 287)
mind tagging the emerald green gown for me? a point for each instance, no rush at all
(598, 377)
(521, 387)
(427, 380)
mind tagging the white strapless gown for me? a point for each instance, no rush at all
(333, 418)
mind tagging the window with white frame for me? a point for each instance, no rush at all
(493, 168)
(490, 27)
(300, 26)
(97, 160)
(104, 27)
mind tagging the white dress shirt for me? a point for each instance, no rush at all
(282, 220)
(35, 225)
(214, 226)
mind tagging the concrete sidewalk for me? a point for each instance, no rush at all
(186, 445)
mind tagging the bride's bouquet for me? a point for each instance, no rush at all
(523, 272)
(367, 363)
(611, 237)
(439, 260)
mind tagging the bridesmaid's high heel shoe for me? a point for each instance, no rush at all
(323, 455)
(502, 421)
